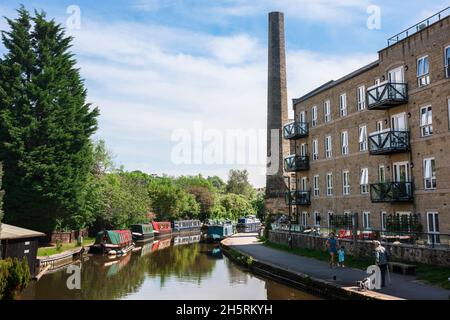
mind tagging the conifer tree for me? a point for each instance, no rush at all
(45, 126)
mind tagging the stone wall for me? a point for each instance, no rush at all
(68, 236)
(404, 252)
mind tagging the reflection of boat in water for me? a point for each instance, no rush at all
(113, 242)
(219, 231)
(161, 244)
(215, 253)
(116, 266)
(142, 232)
(186, 225)
(146, 248)
(161, 228)
(249, 223)
(182, 240)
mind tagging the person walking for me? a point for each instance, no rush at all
(381, 260)
(332, 245)
(341, 257)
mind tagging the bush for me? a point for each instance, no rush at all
(14, 277)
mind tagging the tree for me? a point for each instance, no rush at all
(45, 126)
(1, 196)
(258, 203)
(102, 159)
(217, 183)
(236, 206)
(238, 183)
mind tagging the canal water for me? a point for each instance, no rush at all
(176, 268)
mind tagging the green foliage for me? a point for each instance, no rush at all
(258, 203)
(1, 196)
(236, 206)
(14, 277)
(238, 183)
(45, 126)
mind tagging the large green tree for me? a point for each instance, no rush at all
(45, 126)
(1, 196)
(238, 183)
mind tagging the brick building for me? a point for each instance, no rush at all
(376, 143)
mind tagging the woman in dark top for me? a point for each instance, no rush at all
(332, 246)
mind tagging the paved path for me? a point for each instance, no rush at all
(406, 287)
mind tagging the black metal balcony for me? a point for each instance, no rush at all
(391, 192)
(296, 130)
(389, 142)
(387, 95)
(298, 198)
(296, 163)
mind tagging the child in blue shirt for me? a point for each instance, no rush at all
(341, 257)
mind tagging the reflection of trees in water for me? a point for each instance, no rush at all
(127, 276)
(276, 291)
(236, 274)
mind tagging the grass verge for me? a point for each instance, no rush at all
(48, 251)
(434, 275)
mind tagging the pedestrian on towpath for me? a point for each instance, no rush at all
(341, 257)
(381, 260)
(332, 246)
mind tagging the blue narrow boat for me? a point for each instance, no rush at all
(217, 232)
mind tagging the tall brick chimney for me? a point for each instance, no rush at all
(277, 115)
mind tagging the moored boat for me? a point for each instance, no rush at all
(114, 242)
(142, 232)
(249, 222)
(217, 232)
(161, 228)
(186, 225)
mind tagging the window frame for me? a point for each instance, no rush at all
(346, 187)
(343, 110)
(364, 188)
(327, 111)
(316, 186)
(383, 220)
(379, 173)
(426, 130)
(361, 104)
(329, 184)
(423, 79)
(431, 180)
(315, 149)
(366, 220)
(314, 116)
(344, 148)
(363, 146)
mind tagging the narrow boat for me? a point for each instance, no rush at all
(217, 232)
(114, 242)
(161, 228)
(250, 222)
(142, 232)
(186, 225)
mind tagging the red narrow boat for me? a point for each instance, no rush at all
(161, 228)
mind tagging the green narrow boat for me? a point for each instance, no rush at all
(142, 232)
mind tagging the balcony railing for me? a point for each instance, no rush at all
(388, 142)
(391, 192)
(296, 163)
(296, 130)
(387, 95)
(298, 198)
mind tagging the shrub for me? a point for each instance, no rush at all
(14, 277)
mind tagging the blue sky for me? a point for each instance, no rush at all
(154, 66)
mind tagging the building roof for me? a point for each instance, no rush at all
(9, 232)
(333, 83)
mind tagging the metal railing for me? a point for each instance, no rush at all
(419, 26)
(298, 198)
(387, 142)
(296, 130)
(296, 163)
(386, 95)
(391, 192)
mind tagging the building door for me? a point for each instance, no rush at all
(433, 227)
(397, 75)
(398, 122)
(303, 150)
(303, 116)
(401, 172)
(303, 184)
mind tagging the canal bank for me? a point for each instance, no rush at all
(316, 276)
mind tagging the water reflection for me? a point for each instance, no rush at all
(186, 269)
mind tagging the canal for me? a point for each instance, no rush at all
(172, 268)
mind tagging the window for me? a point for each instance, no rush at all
(329, 184)
(304, 184)
(343, 105)
(377, 81)
(345, 183)
(315, 150)
(448, 109)
(383, 221)
(381, 174)
(380, 126)
(447, 62)
(361, 98)
(328, 147)
(314, 116)
(363, 138)
(304, 219)
(327, 111)
(317, 219)
(303, 150)
(429, 173)
(366, 220)
(423, 68)
(426, 121)
(316, 186)
(344, 142)
(364, 181)
(433, 227)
